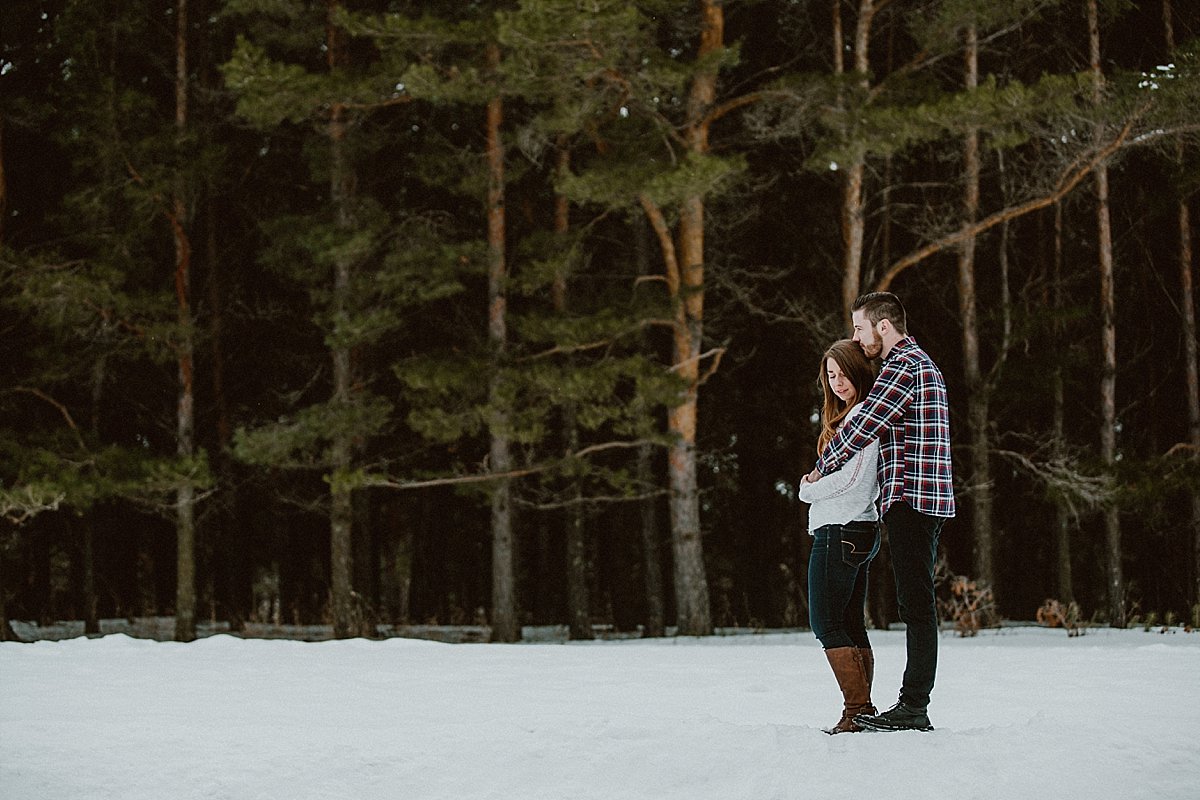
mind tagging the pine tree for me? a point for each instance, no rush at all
(335, 259)
(95, 290)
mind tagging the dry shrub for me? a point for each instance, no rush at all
(969, 603)
(1054, 614)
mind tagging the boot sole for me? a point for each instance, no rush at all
(885, 728)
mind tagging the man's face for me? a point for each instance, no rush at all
(866, 335)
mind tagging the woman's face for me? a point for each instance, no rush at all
(839, 383)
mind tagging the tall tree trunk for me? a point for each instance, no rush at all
(977, 391)
(1187, 293)
(7, 634)
(1062, 529)
(91, 620)
(229, 577)
(341, 511)
(1115, 583)
(1187, 301)
(853, 216)
(579, 616)
(687, 289)
(185, 497)
(227, 572)
(3, 184)
(648, 506)
(505, 625)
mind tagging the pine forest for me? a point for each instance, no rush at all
(509, 313)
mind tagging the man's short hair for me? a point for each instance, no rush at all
(878, 306)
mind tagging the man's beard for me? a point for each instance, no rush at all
(873, 348)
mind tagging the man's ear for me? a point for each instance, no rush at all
(884, 326)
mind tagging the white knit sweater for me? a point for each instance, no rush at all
(848, 495)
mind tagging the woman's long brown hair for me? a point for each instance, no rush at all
(855, 366)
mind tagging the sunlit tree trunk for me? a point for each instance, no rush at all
(185, 497)
(1115, 583)
(687, 290)
(505, 625)
(853, 216)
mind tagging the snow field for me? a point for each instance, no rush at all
(1020, 713)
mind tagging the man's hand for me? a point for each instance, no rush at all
(811, 477)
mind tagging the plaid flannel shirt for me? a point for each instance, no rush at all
(907, 411)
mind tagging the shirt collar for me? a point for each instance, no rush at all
(904, 345)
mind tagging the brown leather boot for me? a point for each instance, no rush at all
(850, 667)
(868, 659)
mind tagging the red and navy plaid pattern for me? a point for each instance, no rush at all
(908, 412)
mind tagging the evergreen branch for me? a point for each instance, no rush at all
(925, 58)
(1071, 177)
(173, 210)
(62, 409)
(106, 314)
(918, 61)
(18, 506)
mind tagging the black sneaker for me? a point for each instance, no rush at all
(899, 717)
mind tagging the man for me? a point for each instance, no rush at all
(907, 411)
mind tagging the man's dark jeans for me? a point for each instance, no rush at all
(837, 582)
(913, 540)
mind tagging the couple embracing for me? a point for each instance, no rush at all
(884, 455)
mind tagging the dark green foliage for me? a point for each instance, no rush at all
(90, 331)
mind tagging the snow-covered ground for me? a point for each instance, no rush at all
(1020, 714)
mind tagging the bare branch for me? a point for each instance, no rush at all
(578, 501)
(659, 223)
(579, 348)
(484, 477)
(1078, 490)
(716, 351)
(1070, 178)
(62, 409)
(729, 106)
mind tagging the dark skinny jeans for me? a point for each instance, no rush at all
(837, 582)
(913, 543)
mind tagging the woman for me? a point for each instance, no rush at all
(844, 524)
